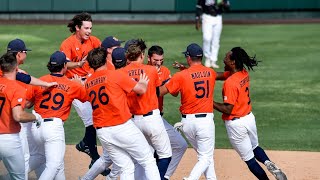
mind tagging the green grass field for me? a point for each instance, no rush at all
(285, 87)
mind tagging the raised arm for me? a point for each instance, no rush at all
(141, 86)
(72, 65)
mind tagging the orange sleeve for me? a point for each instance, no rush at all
(226, 74)
(18, 97)
(173, 84)
(125, 82)
(66, 48)
(156, 77)
(230, 93)
(96, 42)
(30, 92)
(80, 93)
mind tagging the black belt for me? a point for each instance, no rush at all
(98, 127)
(236, 118)
(196, 115)
(148, 114)
(47, 119)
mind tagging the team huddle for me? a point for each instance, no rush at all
(120, 101)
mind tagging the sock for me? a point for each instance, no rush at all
(256, 169)
(155, 155)
(260, 155)
(90, 140)
(163, 166)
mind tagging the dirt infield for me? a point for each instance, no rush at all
(228, 165)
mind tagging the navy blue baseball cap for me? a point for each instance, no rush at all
(110, 41)
(129, 42)
(119, 57)
(17, 45)
(58, 58)
(193, 50)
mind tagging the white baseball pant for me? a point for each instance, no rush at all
(154, 131)
(200, 131)
(84, 111)
(242, 133)
(50, 138)
(100, 165)
(178, 145)
(24, 133)
(12, 155)
(123, 142)
(211, 31)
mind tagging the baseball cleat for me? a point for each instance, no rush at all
(178, 126)
(81, 146)
(207, 63)
(214, 65)
(275, 171)
(106, 172)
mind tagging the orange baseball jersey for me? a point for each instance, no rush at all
(196, 85)
(76, 51)
(142, 104)
(164, 74)
(11, 95)
(107, 92)
(56, 101)
(236, 92)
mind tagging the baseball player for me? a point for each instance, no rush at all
(119, 136)
(76, 48)
(145, 108)
(19, 49)
(178, 143)
(238, 118)
(210, 12)
(54, 105)
(118, 61)
(110, 43)
(12, 99)
(196, 85)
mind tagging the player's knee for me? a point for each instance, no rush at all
(206, 39)
(129, 168)
(183, 145)
(147, 162)
(55, 166)
(205, 160)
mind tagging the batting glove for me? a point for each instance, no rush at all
(178, 126)
(38, 118)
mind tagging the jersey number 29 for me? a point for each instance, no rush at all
(57, 99)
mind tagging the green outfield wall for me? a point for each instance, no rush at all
(136, 6)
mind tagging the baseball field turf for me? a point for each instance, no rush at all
(285, 87)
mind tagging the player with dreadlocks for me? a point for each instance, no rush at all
(239, 120)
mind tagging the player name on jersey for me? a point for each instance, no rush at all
(200, 74)
(135, 72)
(244, 81)
(95, 81)
(62, 87)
